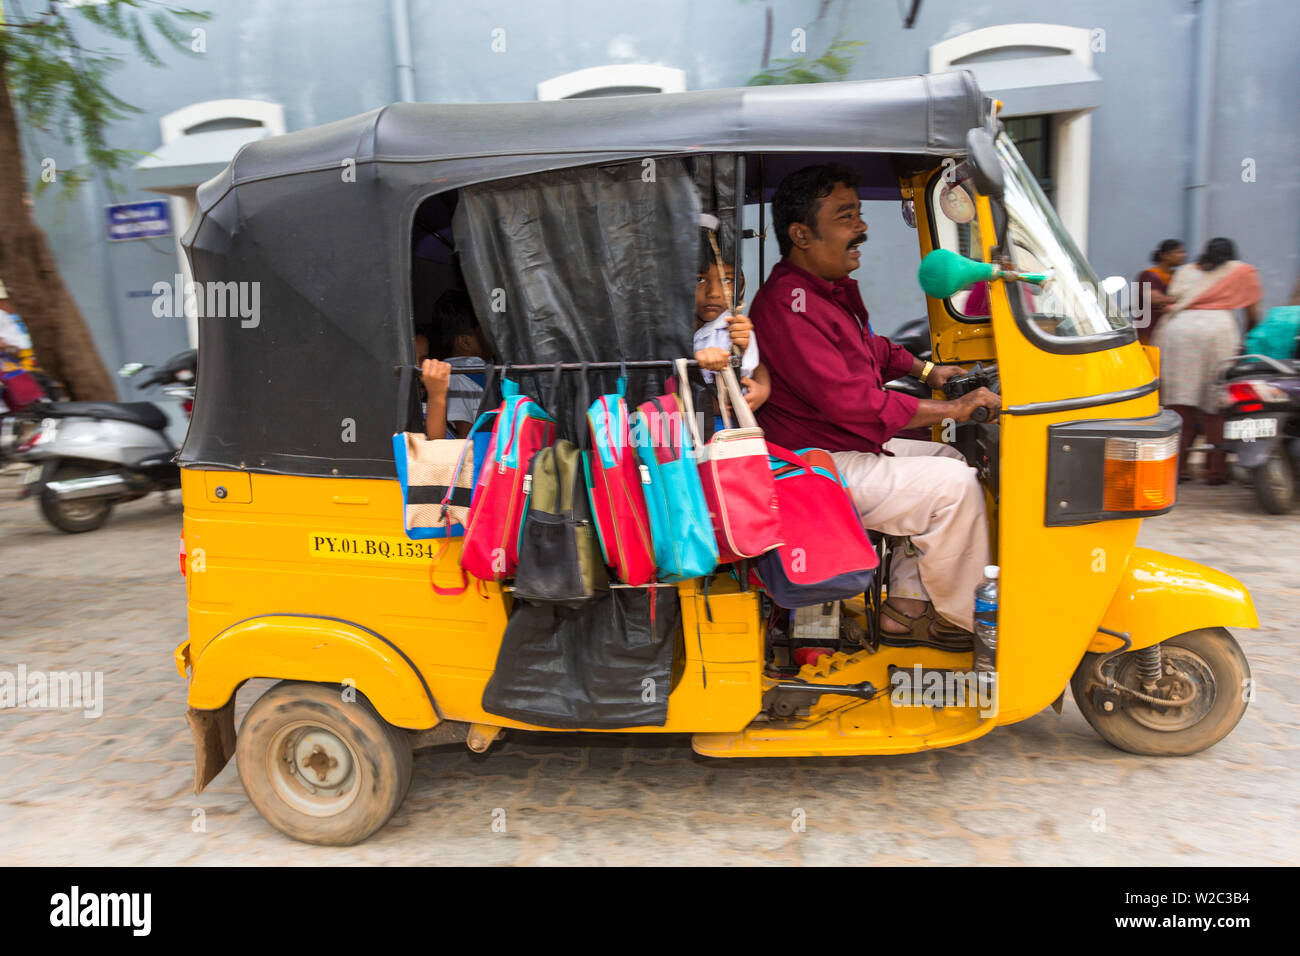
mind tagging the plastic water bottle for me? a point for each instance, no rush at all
(986, 620)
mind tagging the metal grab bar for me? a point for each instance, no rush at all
(565, 366)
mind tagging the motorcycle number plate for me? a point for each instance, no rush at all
(32, 475)
(1248, 429)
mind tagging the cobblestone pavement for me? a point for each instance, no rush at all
(117, 789)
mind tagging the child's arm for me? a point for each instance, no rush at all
(758, 388)
(436, 377)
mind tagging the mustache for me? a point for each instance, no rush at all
(858, 241)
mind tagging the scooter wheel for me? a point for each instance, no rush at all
(1275, 483)
(79, 514)
(321, 769)
(1206, 666)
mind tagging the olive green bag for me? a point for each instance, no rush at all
(559, 557)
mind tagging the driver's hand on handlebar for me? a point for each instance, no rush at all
(980, 398)
(941, 373)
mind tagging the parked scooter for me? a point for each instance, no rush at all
(1261, 398)
(86, 457)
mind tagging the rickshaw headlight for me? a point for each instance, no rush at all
(1141, 474)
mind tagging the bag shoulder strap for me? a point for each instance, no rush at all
(729, 392)
(687, 404)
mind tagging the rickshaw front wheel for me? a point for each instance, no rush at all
(1203, 673)
(321, 768)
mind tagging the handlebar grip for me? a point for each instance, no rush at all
(980, 414)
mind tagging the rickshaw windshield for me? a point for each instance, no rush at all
(1070, 304)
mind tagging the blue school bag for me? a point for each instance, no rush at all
(684, 542)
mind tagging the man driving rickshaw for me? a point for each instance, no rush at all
(828, 368)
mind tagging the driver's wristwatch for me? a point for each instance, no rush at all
(926, 369)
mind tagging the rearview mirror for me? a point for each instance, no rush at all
(986, 171)
(1113, 284)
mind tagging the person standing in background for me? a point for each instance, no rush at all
(1153, 285)
(1198, 333)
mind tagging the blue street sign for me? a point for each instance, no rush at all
(138, 220)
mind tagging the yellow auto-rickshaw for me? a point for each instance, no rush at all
(297, 564)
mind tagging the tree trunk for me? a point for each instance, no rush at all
(63, 344)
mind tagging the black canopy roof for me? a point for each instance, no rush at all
(320, 221)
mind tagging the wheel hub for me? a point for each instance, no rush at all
(313, 769)
(1187, 682)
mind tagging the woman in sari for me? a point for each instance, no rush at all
(1153, 285)
(1198, 333)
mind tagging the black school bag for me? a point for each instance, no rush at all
(559, 557)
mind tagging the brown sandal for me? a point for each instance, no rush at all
(918, 628)
(925, 629)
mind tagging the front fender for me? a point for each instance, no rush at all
(310, 648)
(1161, 595)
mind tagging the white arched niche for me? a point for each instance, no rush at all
(613, 80)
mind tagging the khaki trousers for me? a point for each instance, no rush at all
(929, 494)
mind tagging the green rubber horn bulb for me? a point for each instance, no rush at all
(944, 273)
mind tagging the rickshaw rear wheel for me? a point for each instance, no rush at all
(1208, 662)
(321, 769)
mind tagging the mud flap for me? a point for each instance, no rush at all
(214, 741)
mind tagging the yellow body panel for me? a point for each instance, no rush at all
(294, 549)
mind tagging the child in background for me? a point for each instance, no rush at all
(717, 328)
(453, 397)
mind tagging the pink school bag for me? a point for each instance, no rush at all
(617, 500)
(491, 547)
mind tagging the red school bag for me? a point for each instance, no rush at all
(827, 555)
(737, 479)
(490, 551)
(617, 499)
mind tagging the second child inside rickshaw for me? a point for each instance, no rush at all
(827, 371)
(452, 398)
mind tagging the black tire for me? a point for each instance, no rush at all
(1212, 659)
(365, 762)
(1275, 483)
(80, 514)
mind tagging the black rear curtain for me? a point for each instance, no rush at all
(595, 264)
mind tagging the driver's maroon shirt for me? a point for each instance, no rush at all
(827, 367)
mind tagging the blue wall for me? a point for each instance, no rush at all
(327, 59)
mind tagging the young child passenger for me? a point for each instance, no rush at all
(453, 398)
(717, 328)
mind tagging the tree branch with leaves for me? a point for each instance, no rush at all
(60, 87)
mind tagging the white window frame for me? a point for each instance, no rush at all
(1071, 132)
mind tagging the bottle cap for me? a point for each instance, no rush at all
(991, 570)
